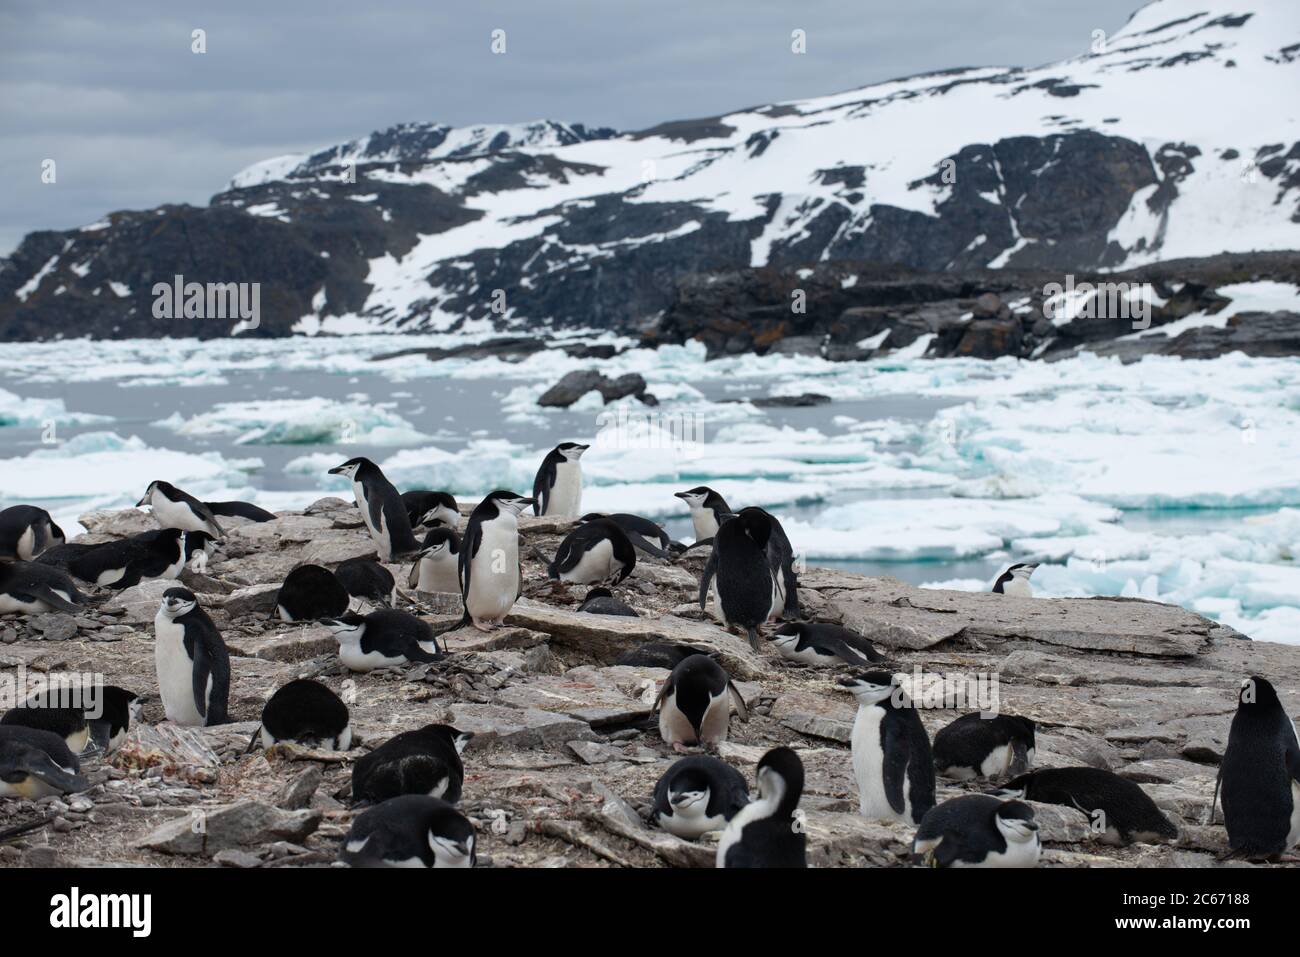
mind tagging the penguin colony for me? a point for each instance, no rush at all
(407, 788)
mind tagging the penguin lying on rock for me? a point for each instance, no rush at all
(34, 589)
(367, 580)
(596, 552)
(410, 831)
(980, 746)
(698, 794)
(36, 764)
(311, 593)
(640, 532)
(1120, 810)
(601, 601)
(26, 531)
(425, 761)
(386, 638)
(308, 713)
(977, 831)
(820, 644)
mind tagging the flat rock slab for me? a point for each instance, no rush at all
(139, 603)
(518, 728)
(597, 696)
(898, 615)
(821, 716)
(296, 643)
(249, 600)
(236, 825)
(469, 638)
(608, 636)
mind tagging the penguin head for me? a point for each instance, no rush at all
(788, 635)
(695, 497)
(1015, 821)
(177, 602)
(352, 467)
(592, 516)
(199, 542)
(453, 736)
(688, 793)
(780, 779)
(1022, 570)
(571, 451)
(450, 836)
(433, 518)
(869, 687)
(154, 486)
(1257, 693)
(56, 534)
(348, 627)
(511, 502)
(439, 543)
(756, 525)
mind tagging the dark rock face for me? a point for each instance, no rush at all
(578, 383)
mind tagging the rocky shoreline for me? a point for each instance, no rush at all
(566, 753)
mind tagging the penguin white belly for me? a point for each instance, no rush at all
(566, 494)
(438, 576)
(717, 717)
(595, 565)
(31, 788)
(1018, 588)
(492, 592)
(997, 762)
(175, 673)
(10, 605)
(169, 514)
(1016, 855)
(354, 659)
(692, 821)
(753, 811)
(1293, 834)
(110, 575)
(706, 524)
(26, 546)
(380, 534)
(673, 725)
(868, 765)
(778, 597)
(175, 568)
(806, 656)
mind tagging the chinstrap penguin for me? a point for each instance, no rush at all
(31, 588)
(769, 832)
(368, 580)
(892, 761)
(26, 531)
(641, 532)
(819, 644)
(707, 508)
(1015, 581)
(386, 638)
(173, 508)
(311, 593)
(491, 578)
(749, 593)
(437, 570)
(381, 509)
(118, 707)
(1259, 777)
(695, 703)
(431, 509)
(698, 794)
(977, 830)
(308, 713)
(69, 723)
(601, 601)
(36, 764)
(596, 552)
(657, 654)
(192, 661)
(976, 746)
(410, 831)
(127, 561)
(557, 489)
(1120, 811)
(425, 761)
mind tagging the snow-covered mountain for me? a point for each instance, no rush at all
(1178, 136)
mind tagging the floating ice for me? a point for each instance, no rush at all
(299, 422)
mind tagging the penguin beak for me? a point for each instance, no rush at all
(681, 495)
(337, 470)
(143, 501)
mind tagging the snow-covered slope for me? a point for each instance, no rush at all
(1177, 136)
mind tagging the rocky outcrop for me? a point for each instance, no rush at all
(566, 749)
(579, 382)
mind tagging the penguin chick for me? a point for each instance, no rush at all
(698, 794)
(979, 746)
(173, 508)
(36, 764)
(977, 830)
(769, 832)
(1119, 808)
(386, 638)
(425, 761)
(818, 644)
(308, 713)
(892, 761)
(596, 552)
(410, 831)
(191, 660)
(1015, 581)
(694, 704)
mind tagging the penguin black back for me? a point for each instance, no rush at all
(657, 654)
(1259, 773)
(766, 832)
(311, 592)
(425, 761)
(595, 551)
(411, 830)
(975, 745)
(365, 578)
(308, 713)
(36, 763)
(1116, 804)
(26, 531)
(744, 572)
(240, 510)
(33, 587)
(601, 601)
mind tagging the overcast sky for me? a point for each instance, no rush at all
(112, 92)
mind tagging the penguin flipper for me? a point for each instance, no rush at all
(739, 700)
(897, 752)
(1019, 763)
(33, 762)
(639, 541)
(38, 592)
(710, 569)
(542, 485)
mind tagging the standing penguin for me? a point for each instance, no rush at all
(173, 508)
(309, 593)
(1260, 776)
(26, 531)
(979, 746)
(424, 761)
(410, 831)
(819, 644)
(386, 638)
(36, 764)
(125, 562)
(707, 509)
(491, 579)
(192, 661)
(437, 570)
(698, 794)
(381, 509)
(431, 509)
(557, 489)
(31, 588)
(596, 552)
(748, 591)
(1015, 581)
(769, 832)
(977, 831)
(308, 713)
(368, 580)
(892, 761)
(1120, 808)
(695, 703)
